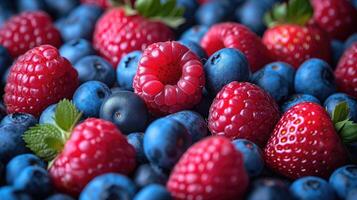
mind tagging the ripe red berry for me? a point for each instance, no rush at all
(243, 110)
(169, 78)
(95, 147)
(210, 169)
(27, 30)
(37, 79)
(101, 3)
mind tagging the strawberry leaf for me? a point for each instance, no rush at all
(343, 125)
(66, 115)
(340, 113)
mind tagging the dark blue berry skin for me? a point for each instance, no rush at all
(48, 115)
(19, 163)
(10, 193)
(153, 192)
(117, 89)
(195, 48)
(76, 49)
(315, 77)
(4, 78)
(34, 180)
(4, 14)
(332, 101)
(270, 189)
(59, 196)
(89, 97)
(352, 149)
(126, 110)
(203, 106)
(283, 69)
(195, 33)
(148, 174)
(214, 12)
(337, 49)
(296, 99)
(5, 60)
(11, 142)
(190, 8)
(95, 68)
(344, 179)
(194, 123)
(109, 186)
(22, 119)
(61, 8)
(165, 140)
(350, 40)
(2, 111)
(126, 70)
(352, 194)
(136, 140)
(252, 156)
(223, 67)
(311, 187)
(354, 2)
(31, 5)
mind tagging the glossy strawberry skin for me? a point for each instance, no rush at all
(234, 35)
(337, 17)
(117, 34)
(211, 169)
(169, 78)
(243, 110)
(37, 79)
(346, 71)
(95, 147)
(294, 44)
(305, 143)
(27, 30)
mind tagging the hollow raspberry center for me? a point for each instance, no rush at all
(169, 74)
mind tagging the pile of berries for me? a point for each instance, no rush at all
(178, 99)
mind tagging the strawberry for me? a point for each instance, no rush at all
(234, 35)
(346, 71)
(210, 169)
(305, 141)
(337, 17)
(289, 39)
(27, 30)
(37, 79)
(118, 32)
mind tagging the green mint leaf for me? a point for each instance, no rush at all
(340, 113)
(67, 115)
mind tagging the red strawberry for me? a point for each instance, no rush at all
(101, 3)
(94, 148)
(27, 30)
(346, 71)
(169, 78)
(234, 35)
(337, 17)
(305, 143)
(243, 110)
(38, 79)
(289, 40)
(211, 169)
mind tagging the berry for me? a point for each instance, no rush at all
(61, 8)
(10, 193)
(213, 12)
(350, 40)
(344, 179)
(153, 192)
(27, 30)
(337, 49)
(76, 49)
(30, 5)
(136, 140)
(149, 174)
(5, 60)
(306, 135)
(352, 194)
(109, 186)
(223, 67)
(270, 188)
(22, 119)
(203, 106)
(2, 111)
(210, 169)
(38, 79)
(101, 3)
(11, 142)
(332, 101)
(315, 77)
(169, 78)
(165, 140)
(234, 35)
(59, 196)
(283, 69)
(311, 187)
(110, 151)
(195, 33)
(296, 99)
(126, 110)
(48, 115)
(196, 48)
(243, 110)
(126, 70)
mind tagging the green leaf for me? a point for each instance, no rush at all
(349, 132)
(340, 113)
(67, 115)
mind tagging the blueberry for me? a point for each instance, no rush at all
(89, 97)
(59, 196)
(190, 8)
(136, 140)
(344, 179)
(252, 156)
(61, 8)
(315, 77)
(203, 106)
(352, 194)
(30, 5)
(148, 174)
(5, 60)
(5, 14)
(95, 68)
(22, 119)
(195, 48)
(48, 115)
(296, 99)
(4, 77)
(126, 110)
(195, 33)
(19, 163)
(34, 180)
(117, 89)
(332, 101)
(283, 69)
(109, 186)
(76, 49)
(153, 192)
(126, 70)
(194, 123)
(11, 142)
(165, 140)
(270, 189)
(352, 149)
(2, 111)
(10, 193)
(214, 12)
(223, 67)
(310, 188)
(350, 40)
(337, 50)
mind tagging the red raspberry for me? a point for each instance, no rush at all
(95, 147)
(38, 79)
(234, 35)
(27, 30)
(243, 110)
(211, 169)
(169, 78)
(101, 3)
